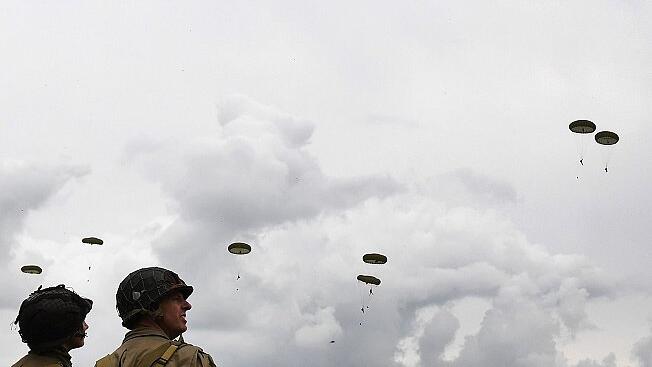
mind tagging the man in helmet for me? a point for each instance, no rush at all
(152, 303)
(52, 322)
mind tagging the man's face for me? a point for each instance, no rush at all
(77, 340)
(173, 309)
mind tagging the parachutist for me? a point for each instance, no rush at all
(371, 292)
(155, 320)
(581, 161)
(362, 309)
(605, 169)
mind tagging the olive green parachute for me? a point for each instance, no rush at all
(374, 258)
(92, 241)
(239, 248)
(581, 130)
(582, 126)
(369, 279)
(31, 269)
(606, 138)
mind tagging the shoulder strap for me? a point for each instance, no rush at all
(160, 356)
(163, 360)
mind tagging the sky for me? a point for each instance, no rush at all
(435, 133)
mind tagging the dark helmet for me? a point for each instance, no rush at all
(141, 291)
(49, 316)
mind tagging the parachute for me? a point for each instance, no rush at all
(374, 258)
(239, 248)
(92, 241)
(31, 269)
(607, 139)
(581, 128)
(369, 279)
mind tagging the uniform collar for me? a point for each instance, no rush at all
(60, 354)
(145, 331)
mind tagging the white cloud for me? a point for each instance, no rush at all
(642, 351)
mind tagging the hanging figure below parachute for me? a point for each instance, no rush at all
(607, 139)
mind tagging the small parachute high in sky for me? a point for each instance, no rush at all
(374, 258)
(607, 139)
(239, 248)
(581, 128)
(31, 269)
(369, 279)
(92, 241)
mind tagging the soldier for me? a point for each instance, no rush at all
(52, 322)
(152, 303)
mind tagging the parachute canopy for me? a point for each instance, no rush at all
(92, 241)
(606, 138)
(582, 126)
(31, 269)
(369, 279)
(374, 258)
(239, 248)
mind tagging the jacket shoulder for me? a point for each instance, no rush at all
(36, 361)
(192, 355)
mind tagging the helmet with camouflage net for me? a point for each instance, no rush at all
(49, 316)
(141, 291)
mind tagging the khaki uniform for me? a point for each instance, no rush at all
(139, 343)
(54, 358)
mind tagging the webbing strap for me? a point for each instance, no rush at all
(163, 360)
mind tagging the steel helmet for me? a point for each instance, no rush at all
(49, 316)
(142, 289)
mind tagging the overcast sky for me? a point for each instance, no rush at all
(435, 133)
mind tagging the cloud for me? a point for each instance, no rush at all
(608, 361)
(254, 172)
(467, 187)
(642, 351)
(438, 333)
